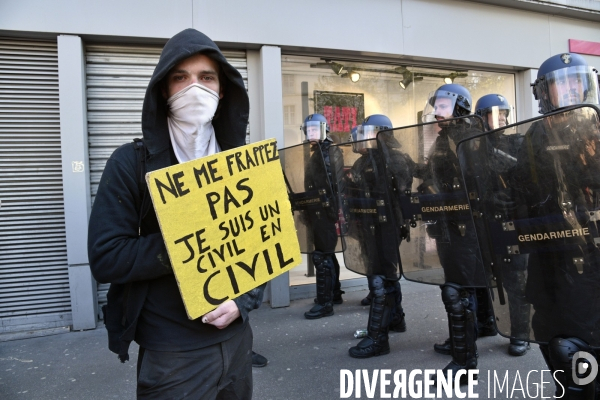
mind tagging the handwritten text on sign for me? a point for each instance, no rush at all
(227, 223)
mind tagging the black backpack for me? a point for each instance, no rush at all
(115, 309)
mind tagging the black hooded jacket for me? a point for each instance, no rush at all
(127, 248)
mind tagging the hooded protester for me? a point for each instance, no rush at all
(195, 105)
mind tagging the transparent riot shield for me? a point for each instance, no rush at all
(426, 180)
(536, 192)
(316, 211)
(370, 222)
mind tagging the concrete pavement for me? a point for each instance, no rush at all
(305, 356)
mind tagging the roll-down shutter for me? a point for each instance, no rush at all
(117, 77)
(34, 281)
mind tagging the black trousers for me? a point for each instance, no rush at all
(222, 371)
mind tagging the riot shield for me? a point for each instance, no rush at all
(537, 195)
(314, 206)
(370, 236)
(426, 180)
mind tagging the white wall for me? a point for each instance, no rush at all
(358, 25)
(439, 31)
(563, 29)
(475, 33)
(135, 18)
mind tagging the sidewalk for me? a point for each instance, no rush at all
(305, 357)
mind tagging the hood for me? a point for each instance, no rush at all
(231, 119)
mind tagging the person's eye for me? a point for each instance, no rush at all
(178, 78)
(208, 78)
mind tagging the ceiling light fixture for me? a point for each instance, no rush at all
(407, 78)
(451, 77)
(336, 68)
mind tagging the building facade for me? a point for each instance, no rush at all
(73, 76)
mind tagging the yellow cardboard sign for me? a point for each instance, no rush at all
(227, 223)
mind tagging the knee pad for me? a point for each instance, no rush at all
(323, 261)
(561, 351)
(317, 257)
(377, 285)
(455, 298)
(575, 379)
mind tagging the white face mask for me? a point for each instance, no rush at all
(191, 111)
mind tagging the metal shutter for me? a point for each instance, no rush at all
(34, 281)
(117, 77)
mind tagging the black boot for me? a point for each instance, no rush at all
(325, 280)
(259, 361)
(380, 315)
(337, 296)
(461, 322)
(519, 311)
(367, 300)
(398, 322)
(337, 289)
(518, 347)
(443, 348)
(487, 327)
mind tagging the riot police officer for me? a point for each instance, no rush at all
(563, 283)
(323, 227)
(378, 240)
(456, 240)
(500, 161)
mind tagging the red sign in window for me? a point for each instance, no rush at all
(341, 119)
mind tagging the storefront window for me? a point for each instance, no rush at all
(347, 92)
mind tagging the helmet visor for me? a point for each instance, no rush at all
(568, 87)
(363, 133)
(440, 105)
(314, 130)
(497, 116)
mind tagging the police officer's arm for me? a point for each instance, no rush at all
(117, 253)
(250, 300)
(422, 171)
(402, 166)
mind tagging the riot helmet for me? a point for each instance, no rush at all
(495, 111)
(565, 80)
(353, 134)
(368, 130)
(448, 101)
(315, 127)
